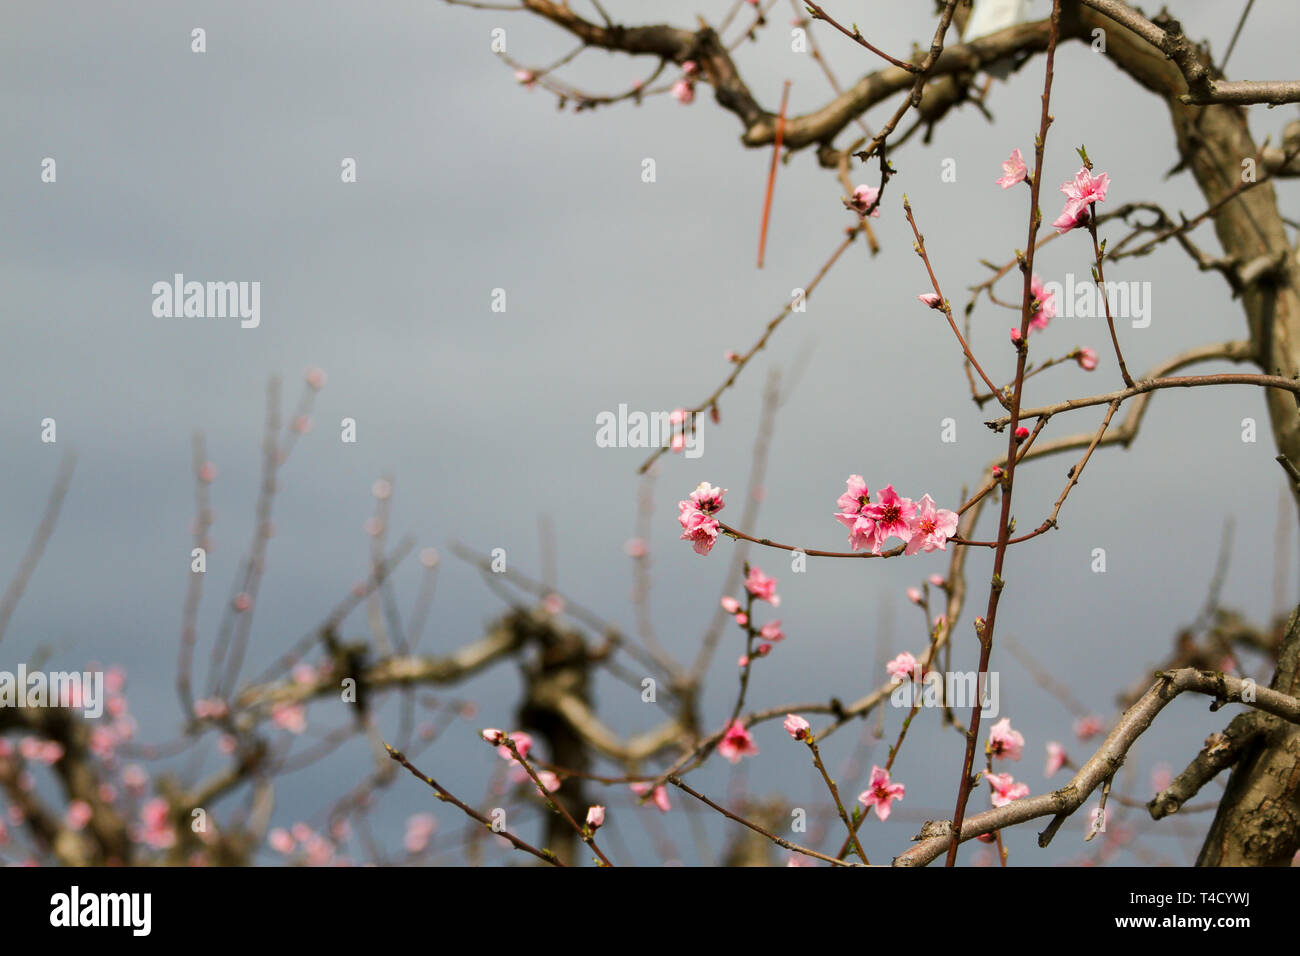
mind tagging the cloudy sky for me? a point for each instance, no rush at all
(225, 166)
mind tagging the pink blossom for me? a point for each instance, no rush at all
(315, 378)
(736, 743)
(242, 601)
(525, 78)
(554, 604)
(419, 828)
(690, 68)
(1087, 359)
(864, 197)
(1015, 335)
(523, 743)
(762, 587)
(931, 527)
(730, 604)
(1022, 433)
(932, 300)
(1005, 742)
(48, 752)
(207, 473)
(550, 782)
(699, 529)
(1086, 727)
(210, 708)
(742, 661)
(902, 667)
(892, 515)
(290, 717)
(852, 504)
(1013, 170)
(304, 674)
(281, 841)
(78, 815)
(1005, 788)
(1056, 758)
(881, 792)
(491, 735)
(742, 619)
(684, 91)
(696, 516)
(659, 797)
(771, 631)
(708, 498)
(596, 817)
(796, 727)
(914, 595)
(1044, 304)
(1080, 192)
(115, 680)
(936, 580)
(635, 548)
(157, 831)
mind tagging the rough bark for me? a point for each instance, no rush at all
(1258, 820)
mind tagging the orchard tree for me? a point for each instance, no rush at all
(565, 758)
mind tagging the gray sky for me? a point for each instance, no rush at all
(225, 166)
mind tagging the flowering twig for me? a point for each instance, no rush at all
(1099, 276)
(985, 632)
(943, 304)
(839, 804)
(1101, 766)
(448, 797)
(587, 834)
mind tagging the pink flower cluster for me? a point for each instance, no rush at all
(1080, 193)
(903, 667)
(880, 792)
(1005, 788)
(865, 198)
(524, 744)
(684, 89)
(737, 742)
(919, 525)
(659, 798)
(696, 516)
(1005, 742)
(760, 588)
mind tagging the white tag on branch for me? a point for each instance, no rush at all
(990, 16)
